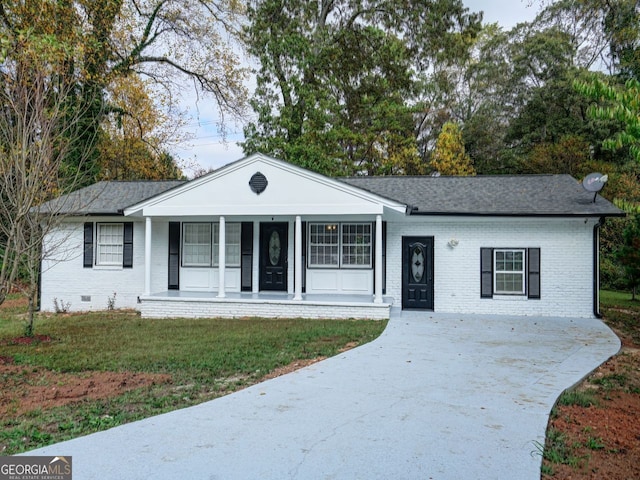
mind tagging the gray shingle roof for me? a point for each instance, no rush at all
(108, 198)
(507, 195)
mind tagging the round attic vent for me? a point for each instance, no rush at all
(258, 183)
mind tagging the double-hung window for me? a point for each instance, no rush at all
(110, 244)
(196, 245)
(232, 244)
(200, 244)
(509, 272)
(334, 245)
(356, 244)
(323, 245)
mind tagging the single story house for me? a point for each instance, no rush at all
(262, 237)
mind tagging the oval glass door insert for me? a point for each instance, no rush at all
(274, 248)
(417, 263)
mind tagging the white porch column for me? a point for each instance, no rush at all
(379, 266)
(298, 260)
(222, 260)
(147, 256)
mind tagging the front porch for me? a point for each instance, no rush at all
(175, 303)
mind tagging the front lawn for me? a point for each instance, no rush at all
(94, 371)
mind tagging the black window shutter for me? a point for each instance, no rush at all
(127, 251)
(174, 256)
(88, 245)
(246, 259)
(486, 272)
(533, 273)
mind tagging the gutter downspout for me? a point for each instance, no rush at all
(596, 267)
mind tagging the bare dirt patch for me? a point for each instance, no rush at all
(25, 389)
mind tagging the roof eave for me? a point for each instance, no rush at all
(515, 214)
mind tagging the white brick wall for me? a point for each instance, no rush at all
(156, 307)
(565, 249)
(566, 252)
(64, 278)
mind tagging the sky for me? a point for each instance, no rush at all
(208, 148)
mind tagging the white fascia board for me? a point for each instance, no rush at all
(261, 210)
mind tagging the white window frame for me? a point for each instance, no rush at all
(233, 239)
(352, 249)
(115, 243)
(328, 249)
(335, 250)
(189, 262)
(497, 272)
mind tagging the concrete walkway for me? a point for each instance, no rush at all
(435, 397)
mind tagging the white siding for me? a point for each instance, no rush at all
(566, 252)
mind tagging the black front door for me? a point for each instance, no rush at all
(273, 256)
(417, 272)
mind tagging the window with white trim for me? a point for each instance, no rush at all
(346, 245)
(356, 244)
(232, 244)
(323, 245)
(110, 244)
(196, 245)
(509, 271)
(200, 244)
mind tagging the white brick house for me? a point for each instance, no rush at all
(262, 237)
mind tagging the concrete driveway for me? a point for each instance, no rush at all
(435, 397)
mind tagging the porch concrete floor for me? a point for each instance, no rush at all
(437, 396)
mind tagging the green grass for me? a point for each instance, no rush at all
(614, 380)
(622, 313)
(191, 348)
(206, 358)
(613, 299)
(594, 443)
(558, 451)
(574, 397)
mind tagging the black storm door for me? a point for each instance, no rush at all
(273, 256)
(417, 273)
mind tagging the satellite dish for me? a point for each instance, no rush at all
(594, 182)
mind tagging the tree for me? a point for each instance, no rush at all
(622, 27)
(605, 31)
(449, 157)
(337, 83)
(629, 254)
(616, 103)
(135, 135)
(568, 155)
(166, 41)
(37, 127)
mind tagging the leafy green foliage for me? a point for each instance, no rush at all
(629, 254)
(338, 82)
(617, 103)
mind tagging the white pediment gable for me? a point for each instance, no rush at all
(290, 190)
